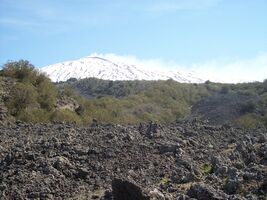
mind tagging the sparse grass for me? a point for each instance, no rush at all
(164, 181)
(207, 168)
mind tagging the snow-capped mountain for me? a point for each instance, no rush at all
(113, 69)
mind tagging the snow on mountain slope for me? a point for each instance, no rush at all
(112, 69)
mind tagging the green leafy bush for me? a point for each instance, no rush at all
(248, 121)
(66, 116)
(21, 70)
(22, 96)
(47, 95)
(249, 107)
(33, 90)
(34, 115)
(207, 168)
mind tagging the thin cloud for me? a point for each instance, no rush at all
(247, 70)
(175, 5)
(50, 15)
(147, 64)
(44, 11)
(15, 22)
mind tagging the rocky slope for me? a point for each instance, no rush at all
(183, 160)
(5, 86)
(221, 108)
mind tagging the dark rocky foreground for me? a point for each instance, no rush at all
(189, 160)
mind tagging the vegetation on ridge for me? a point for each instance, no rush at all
(34, 98)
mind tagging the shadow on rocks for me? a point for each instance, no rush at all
(122, 190)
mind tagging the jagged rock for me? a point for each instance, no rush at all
(168, 148)
(156, 195)
(30, 156)
(233, 172)
(232, 186)
(151, 130)
(221, 171)
(65, 161)
(61, 163)
(262, 138)
(248, 176)
(82, 173)
(251, 197)
(123, 189)
(202, 191)
(69, 103)
(183, 197)
(263, 187)
(3, 111)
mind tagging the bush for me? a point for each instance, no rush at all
(68, 91)
(249, 107)
(33, 89)
(34, 115)
(264, 120)
(248, 121)
(65, 116)
(47, 95)
(22, 96)
(206, 168)
(21, 70)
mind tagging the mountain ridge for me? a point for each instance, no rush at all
(108, 69)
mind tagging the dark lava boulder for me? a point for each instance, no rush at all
(203, 191)
(123, 190)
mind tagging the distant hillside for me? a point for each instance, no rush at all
(28, 95)
(244, 104)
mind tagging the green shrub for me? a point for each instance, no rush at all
(21, 70)
(265, 120)
(207, 168)
(66, 116)
(34, 115)
(164, 181)
(249, 107)
(22, 96)
(248, 121)
(33, 89)
(47, 95)
(68, 91)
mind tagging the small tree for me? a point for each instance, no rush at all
(47, 95)
(22, 96)
(21, 70)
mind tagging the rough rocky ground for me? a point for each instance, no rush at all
(183, 160)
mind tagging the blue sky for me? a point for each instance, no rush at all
(187, 32)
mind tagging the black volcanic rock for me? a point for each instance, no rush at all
(182, 160)
(123, 189)
(202, 191)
